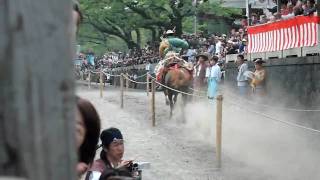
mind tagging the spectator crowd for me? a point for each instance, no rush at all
(289, 9)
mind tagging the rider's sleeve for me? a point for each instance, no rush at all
(176, 42)
(163, 45)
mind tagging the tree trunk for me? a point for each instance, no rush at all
(36, 91)
(138, 37)
(178, 25)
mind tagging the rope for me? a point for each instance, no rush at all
(126, 77)
(277, 120)
(195, 90)
(107, 74)
(176, 89)
(278, 108)
(94, 72)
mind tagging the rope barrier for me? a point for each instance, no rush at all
(107, 74)
(195, 90)
(126, 77)
(274, 119)
(277, 108)
(172, 89)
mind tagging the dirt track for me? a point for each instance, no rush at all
(186, 151)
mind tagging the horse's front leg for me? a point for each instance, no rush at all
(166, 96)
(171, 104)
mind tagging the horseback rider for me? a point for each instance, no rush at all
(169, 50)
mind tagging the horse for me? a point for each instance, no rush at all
(178, 78)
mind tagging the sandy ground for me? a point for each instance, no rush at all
(253, 149)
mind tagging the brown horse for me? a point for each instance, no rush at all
(180, 79)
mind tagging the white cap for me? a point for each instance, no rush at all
(169, 32)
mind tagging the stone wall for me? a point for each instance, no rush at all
(295, 81)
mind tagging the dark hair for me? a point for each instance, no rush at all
(215, 58)
(91, 120)
(241, 56)
(106, 138)
(115, 174)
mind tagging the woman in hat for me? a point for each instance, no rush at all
(258, 78)
(111, 154)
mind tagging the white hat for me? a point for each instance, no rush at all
(169, 32)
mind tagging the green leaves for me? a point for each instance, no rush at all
(122, 17)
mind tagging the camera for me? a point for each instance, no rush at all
(137, 167)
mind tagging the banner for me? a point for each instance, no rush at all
(297, 32)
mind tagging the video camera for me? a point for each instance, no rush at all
(137, 167)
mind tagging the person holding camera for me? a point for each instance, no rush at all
(111, 154)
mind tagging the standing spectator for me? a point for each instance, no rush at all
(135, 78)
(242, 80)
(213, 76)
(200, 71)
(258, 79)
(218, 46)
(191, 53)
(87, 133)
(150, 70)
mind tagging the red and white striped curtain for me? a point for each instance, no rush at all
(297, 32)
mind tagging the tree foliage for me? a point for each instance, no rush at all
(121, 18)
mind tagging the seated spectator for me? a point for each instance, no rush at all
(111, 154)
(297, 9)
(310, 8)
(272, 19)
(277, 16)
(254, 19)
(290, 12)
(263, 19)
(284, 9)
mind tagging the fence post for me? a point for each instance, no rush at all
(89, 81)
(101, 86)
(219, 129)
(121, 90)
(147, 88)
(127, 81)
(153, 108)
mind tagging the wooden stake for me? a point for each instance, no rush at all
(89, 82)
(121, 91)
(127, 82)
(101, 83)
(148, 84)
(153, 108)
(219, 129)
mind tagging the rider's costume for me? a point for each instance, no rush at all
(169, 50)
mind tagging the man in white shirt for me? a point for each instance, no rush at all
(242, 80)
(213, 75)
(218, 46)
